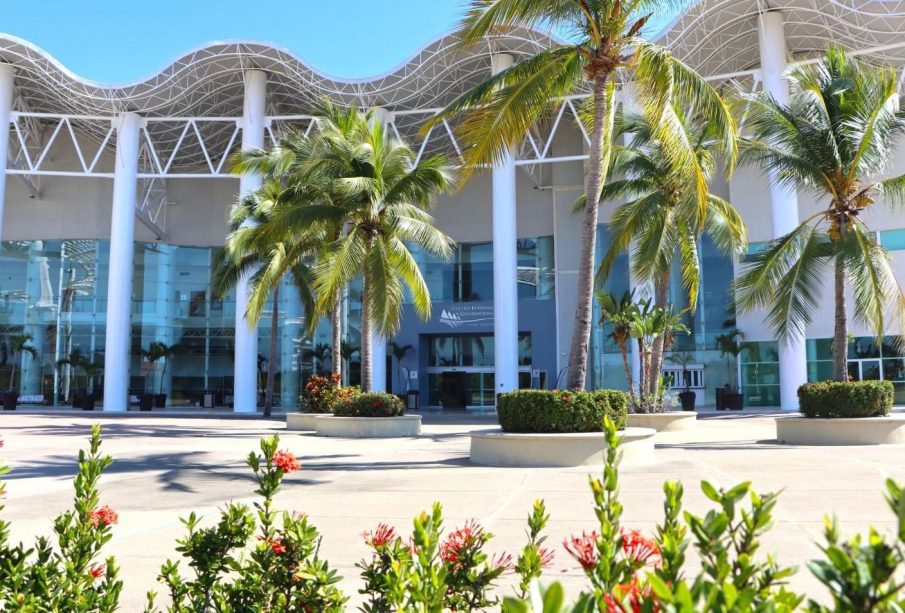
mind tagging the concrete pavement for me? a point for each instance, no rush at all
(166, 467)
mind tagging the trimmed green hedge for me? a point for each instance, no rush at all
(846, 398)
(370, 404)
(560, 410)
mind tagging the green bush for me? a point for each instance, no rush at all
(560, 410)
(370, 404)
(846, 398)
(322, 394)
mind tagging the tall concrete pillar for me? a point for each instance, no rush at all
(245, 377)
(7, 79)
(119, 291)
(783, 199)
(378, 340)
(505, 263)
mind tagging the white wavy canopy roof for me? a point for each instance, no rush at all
(720, 36)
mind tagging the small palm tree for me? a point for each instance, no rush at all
(157, 351)
(18, 345)
(603, 39)
(400, 352)
(683, 359)
(74, 361)
(729, 347)
(662, 221)
(318, 354)
(620, 313)
(651, 323)
(836, 138)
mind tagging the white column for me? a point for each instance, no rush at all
(119, 291)
(783, 200)
(505, 264)
(378, 341)
(7, 78)
(245, 376)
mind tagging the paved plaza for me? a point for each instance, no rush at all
(167, 466)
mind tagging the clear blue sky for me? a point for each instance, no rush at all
(116, 41)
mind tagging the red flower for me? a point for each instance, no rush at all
(381, 536)
(546, 557)
(638, 549)
(628, 597)
(276, 545)
(104, 516)
(286, 462)
(583, 548)
(451, 549)
(96, 571)
(502, 560)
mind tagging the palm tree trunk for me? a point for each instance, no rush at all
(840, 335)
(642, 382)
(623, 349)
(597, 167)
(661, 296)
(12, 373)
(337, 324)
(271, 362)
(365, 350)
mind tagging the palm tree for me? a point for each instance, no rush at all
(156, 351)
(75, 360)
(649, 324)
(836, 138)
(662, 221)
(250, 249)
(19, 344)
(400, 352)
(318, 354)
(603, 41)
(620, 313)
(347, 350)
(729, 346)
(384, 197)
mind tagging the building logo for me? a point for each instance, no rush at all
(466, 316)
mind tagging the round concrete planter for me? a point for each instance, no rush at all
(368, 427)
(498, 448)
(303, 422)
(673, 421)
(841, 431)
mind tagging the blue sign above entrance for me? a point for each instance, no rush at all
(458, 316)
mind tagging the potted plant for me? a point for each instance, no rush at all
(155, 352)
(727, 397)
(75, 361)
(91, 370)
(686, 396)
(19, 344)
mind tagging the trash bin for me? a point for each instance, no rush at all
(412, 402)
(207, 400)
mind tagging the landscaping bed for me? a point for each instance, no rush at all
(670, 421)
(369, 415)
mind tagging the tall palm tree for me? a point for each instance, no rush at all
(603, 40)
(836, 138)
(384, 196)
(662, 221)
(268, 262)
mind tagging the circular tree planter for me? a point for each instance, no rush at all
(302, 422)
(498, 448)
(841, 430)
(368, 427)
(673, 421)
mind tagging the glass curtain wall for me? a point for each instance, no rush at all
(56, 291)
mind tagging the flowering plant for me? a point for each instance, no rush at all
(322, 394)
(282, 572)
(432, 573)
(66, 576)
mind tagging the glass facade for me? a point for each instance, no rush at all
(867, 360)
(56, 291)
(759, 373)
(468, 275)
(713, 317)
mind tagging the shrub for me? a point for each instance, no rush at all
(371, 404)
(67, 576)
(560, 410)
(846, 398)
(322, 394)
(250, 561)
